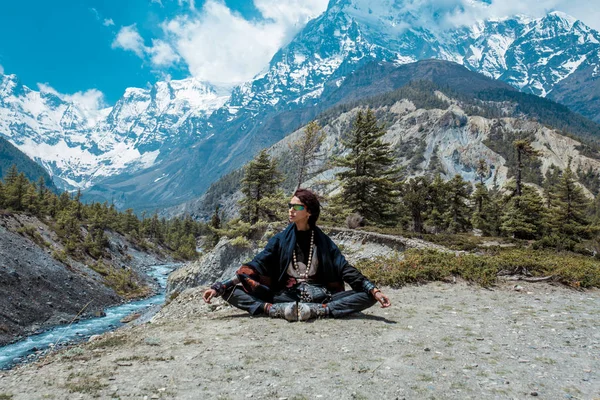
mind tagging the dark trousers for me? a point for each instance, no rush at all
(340, 304)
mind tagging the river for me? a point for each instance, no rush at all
(63, 334)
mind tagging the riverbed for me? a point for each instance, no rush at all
(34, 345)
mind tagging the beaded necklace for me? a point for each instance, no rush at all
(310, 253)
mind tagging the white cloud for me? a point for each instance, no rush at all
(162, 54)
(1, 69)
(108, 22)
(129, 38)
(90, 102)
(191, 2)
(449, 13)
(220, 46)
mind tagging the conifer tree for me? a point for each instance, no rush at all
(12, 175)
(369, 181)
(415, 198)
(523, 215)
(129, 223)
(214, 226)
(260, 183)
(31, 202)
(16, 188)
(435, 167)
(458, 214)
(568, 217)
(523, 148)
(42, 196)
(551, 179)
(305, 148)
(437, 204)
(486, 215)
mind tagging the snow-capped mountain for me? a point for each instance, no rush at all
(531, 54)
(79, 149)
(168, 143)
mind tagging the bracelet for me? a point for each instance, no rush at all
(375, 291)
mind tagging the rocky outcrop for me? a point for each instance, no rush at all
(218, 264)
(222, 262)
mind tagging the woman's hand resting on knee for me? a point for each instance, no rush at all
(208, 295)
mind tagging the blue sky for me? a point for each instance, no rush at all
(92, 50)
(109, 45)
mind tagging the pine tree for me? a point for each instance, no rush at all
(437, 205)
(523, 148)
(523, 215)
(482, 171)
(369, 181)
(435, 167)
(261, 180)
(30, 200)
(415, 198)
(486, 215)
(214, 225)
(568, 217)
(16, 188)
(130, 224)
(12, 175)
(305, 148)
(42, 195)
(551, 179)
(458, 214)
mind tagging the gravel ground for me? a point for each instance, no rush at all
(438, 341)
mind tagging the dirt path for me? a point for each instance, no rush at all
(439, 341)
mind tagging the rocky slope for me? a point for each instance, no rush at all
(40, 289)
(440, 340)
(448, 137)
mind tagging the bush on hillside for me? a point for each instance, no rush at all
(421, 266)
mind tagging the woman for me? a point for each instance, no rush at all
(300, 274)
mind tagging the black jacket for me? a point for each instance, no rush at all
(333, 269)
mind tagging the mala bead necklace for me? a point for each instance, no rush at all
(304, 275)
(304, 294)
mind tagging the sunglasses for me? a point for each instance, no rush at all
(296, 207)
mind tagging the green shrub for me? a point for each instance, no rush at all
(240, 241)
(420, 266)
(60, 255)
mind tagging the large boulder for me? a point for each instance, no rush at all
(216, 265)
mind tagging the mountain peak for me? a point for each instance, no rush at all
(565, 20)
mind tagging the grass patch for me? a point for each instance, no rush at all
(5, 396)
(74, 353)
(80, 383)
(113, 341)
(421, 266)
(122, 281)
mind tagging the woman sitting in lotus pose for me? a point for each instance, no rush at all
(300, 274)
